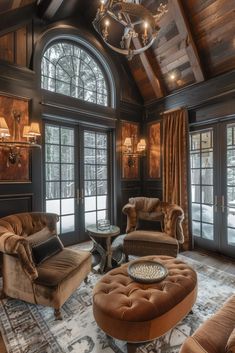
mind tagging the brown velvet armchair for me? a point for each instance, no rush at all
(48, 283)
(216, 334)
(153, 227)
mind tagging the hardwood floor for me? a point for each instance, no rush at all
(220, 262)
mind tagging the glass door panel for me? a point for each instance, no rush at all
(212, 154)
(77, 178)
(202, 186)
(60, 176)
(230, 186)
(95, 176)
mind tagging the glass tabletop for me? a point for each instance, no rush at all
(112, 231)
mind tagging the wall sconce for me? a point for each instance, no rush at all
(132, 148)
(15, 143)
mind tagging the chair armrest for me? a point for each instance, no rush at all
(174, 216)
(192, 346)
(12, 244)
(130, 211)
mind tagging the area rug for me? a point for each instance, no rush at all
(30, 328)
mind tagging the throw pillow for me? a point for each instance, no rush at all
(230, 347)
(39, 237)
(153, 225)
(46, 249)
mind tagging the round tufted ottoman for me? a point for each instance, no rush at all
(136, 312)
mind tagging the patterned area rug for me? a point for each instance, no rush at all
(32, 329)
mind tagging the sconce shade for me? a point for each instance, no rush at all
(141, 146)
(34, 129)
(15, 145)
(26, 131)
(4, 130)
(128, 142)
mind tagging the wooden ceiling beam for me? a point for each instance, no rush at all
(176, 8)
(16, 4)
(48, 9)
(154, 81)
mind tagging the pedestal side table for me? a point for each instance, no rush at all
(105, 252)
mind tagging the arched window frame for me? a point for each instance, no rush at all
(96, 56)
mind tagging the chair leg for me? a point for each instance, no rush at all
(3, 295)
(58, 315)
(126, 258)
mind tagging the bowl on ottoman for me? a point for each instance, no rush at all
(139, 312)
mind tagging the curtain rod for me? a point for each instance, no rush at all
(172, 110)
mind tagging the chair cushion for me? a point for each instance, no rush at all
(58, 267)
(150, 236)
(46, 249)
(230, 347)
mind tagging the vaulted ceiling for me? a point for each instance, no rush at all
(196, 40)
(7, 5)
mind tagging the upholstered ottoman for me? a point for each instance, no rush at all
(136, 312)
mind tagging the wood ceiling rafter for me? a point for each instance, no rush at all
(177, 10)
(49, 9)
(153, 77)
(15, 4)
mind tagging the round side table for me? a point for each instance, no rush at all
(106, 253)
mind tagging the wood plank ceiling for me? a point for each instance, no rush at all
(196, 41)
(8, 5)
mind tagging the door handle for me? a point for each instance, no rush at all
(82, 195)
(222, 203)
(78, 196)
(216, 203)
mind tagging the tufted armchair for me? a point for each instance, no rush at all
(49, 282)
(153, 227)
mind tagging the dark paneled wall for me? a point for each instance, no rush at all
(24, 82)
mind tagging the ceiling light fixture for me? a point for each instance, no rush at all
(16, 143)
(174, 75)
(129, 21)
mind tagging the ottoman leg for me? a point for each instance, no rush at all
(132, 347)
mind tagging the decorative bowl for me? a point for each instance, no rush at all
(147, 271)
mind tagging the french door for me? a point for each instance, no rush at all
(77, 175)
(212, 163)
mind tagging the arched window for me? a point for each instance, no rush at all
(68, 69)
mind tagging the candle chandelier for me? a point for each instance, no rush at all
(126, 26)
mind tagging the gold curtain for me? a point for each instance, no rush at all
(175, 164)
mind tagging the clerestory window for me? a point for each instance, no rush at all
(68, 69)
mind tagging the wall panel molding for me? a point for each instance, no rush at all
(15, 203)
